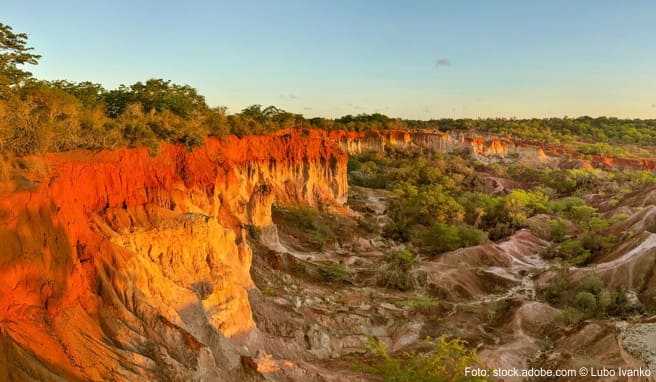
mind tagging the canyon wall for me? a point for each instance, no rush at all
(486, 147)
(119, 265)
(483, 147)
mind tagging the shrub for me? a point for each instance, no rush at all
(425, 205)
(136, 130)
(333, 272)
(422, 303)
(522, 204)
(574, 252)
(43, 119)
(587, 298)
(564, 206)
(307, 223)
(217, 122)
(367, 174)
(605, 300)
(586, 302)
(353, 164)
(592, 284)
(500, 230)
(600, 148)
(445, 362)
(402, 258)
(582, 214)
(498, 310)
(396, 273)
(470, 236)
(558, 230)
(571, 316)
(617, 304)
(640, 178)
(440, 238)
(597, 243)
(555, 291)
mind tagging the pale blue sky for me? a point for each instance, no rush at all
(415, 59)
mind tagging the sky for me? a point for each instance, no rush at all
(409, 59)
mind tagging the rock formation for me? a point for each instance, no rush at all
(119, 265)
(485, 147)
(115, 265)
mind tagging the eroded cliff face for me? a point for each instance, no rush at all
(481, 146)
(123, 266)
(485, 147)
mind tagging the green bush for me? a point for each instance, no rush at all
(138, 134)
(571, 316)
(592, 284)
(617, 304)
(555, 292)
(522, 204)
(440, 238)
(600, 149)
(586, 302)
(498, 310)
(307, 223)
(564, 206)
(500, 216)
(425, 205)
(396, 272)
(587, 298)
(353, 164)
(558, 230)
(574, 252)
(422, 304)
(334, 272)
(500, 231)
(445, 362)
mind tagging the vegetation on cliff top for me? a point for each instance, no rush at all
(41, 116)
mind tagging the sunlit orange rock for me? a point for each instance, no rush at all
(120, 265)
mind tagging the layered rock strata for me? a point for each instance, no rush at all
(120, 265)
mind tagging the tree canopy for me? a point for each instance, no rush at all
(14, 53)
(38, 115)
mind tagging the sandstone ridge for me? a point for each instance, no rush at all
(121, 265)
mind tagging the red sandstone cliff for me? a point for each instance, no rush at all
(116, 265)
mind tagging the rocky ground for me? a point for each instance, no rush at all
(316, 328)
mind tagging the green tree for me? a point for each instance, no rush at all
(216, 122)
(117, 100)
(88, 93)
(14, 53)
(156, 95)
(522, 204)
(160, 95)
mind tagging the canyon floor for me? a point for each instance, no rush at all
(317, 321)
